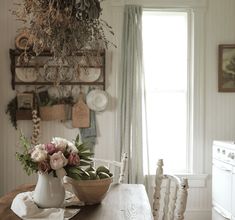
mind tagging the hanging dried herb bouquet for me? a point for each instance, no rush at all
(63, 27)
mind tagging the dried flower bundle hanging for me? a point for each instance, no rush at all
(62, 27)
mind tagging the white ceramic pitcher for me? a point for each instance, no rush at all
(49, 191)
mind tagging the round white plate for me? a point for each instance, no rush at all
(26, 74)
(89, 74)
(66, 73)
(51, 74)
(53, 92)
(97, 100)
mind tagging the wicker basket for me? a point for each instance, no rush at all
(54, 112)
(90, 191)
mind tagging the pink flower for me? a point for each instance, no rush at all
(44, 166)
(50, 148)
(58, 160)
(73, 159)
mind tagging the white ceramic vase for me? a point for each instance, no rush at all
(49, 191)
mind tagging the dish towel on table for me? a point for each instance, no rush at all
(24, 206)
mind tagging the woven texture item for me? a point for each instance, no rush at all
(54, 112)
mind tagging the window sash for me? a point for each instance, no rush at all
(189, 90)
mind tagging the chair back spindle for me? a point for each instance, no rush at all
(170, 195)
(123, 167)
(111, 164)
(158, 183)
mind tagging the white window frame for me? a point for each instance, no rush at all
(197, 65)
(189, 167)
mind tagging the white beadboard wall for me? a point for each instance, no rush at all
(11, 172)
(219, 107)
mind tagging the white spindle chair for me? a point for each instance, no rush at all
(111, 164)
(170, 195)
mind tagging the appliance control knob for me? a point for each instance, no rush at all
(223, 151)
(218, 150)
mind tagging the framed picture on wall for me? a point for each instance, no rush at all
(226, 68)
(25, 101)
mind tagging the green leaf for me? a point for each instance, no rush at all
(82, 147)
(11, 110)
(86, 158)
(84, 163)
(25, 159)
(24, 142)
(28, 165)
(77, 139)
(74, 176)
(74, 172)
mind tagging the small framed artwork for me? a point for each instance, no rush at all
(25, 101)
(226, 68)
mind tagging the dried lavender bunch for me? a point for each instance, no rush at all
(63, 27)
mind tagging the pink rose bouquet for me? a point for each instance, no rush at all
(60, 156)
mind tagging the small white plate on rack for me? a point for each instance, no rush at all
(66, 73)
(89, 74)
(56, 73)
(50, 74)
(26, 74)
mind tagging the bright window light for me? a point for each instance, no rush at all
(165, 46)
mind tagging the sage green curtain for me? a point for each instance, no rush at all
(130, 96)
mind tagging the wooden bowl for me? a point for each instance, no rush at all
(90, 191)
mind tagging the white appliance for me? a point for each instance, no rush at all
(223, 180)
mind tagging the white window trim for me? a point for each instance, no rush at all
(198, 91)
(198, 67)
(163, 3)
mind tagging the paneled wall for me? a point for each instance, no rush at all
(219, 107)
(11, 172)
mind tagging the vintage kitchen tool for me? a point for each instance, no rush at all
(80, 114)
(23, 41)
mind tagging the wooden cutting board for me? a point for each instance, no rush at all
(80, 114)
